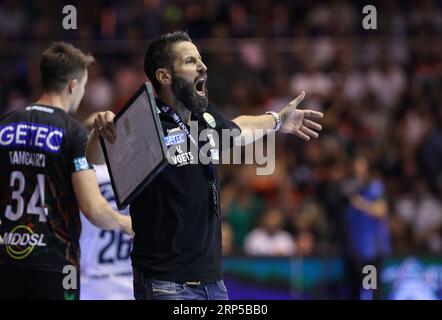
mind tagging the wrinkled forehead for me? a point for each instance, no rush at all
(185, 49)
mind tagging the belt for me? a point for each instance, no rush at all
(192, 283)
(195, 283)
(140, 275)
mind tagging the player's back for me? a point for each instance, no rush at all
(106, 271)
(40, 147)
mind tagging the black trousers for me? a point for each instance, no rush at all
(22, 284)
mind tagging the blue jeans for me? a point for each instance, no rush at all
(151, 289)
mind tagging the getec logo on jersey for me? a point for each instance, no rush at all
(31, 135)
(21, 241)
(174, 139)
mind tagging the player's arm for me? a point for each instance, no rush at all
(104, 126)
(94, 207)
(293, 121)
(377, 208)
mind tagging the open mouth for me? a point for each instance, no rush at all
(200, 86)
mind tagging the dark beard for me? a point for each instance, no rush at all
(185, 92)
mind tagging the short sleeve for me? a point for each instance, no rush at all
(78, 136)
(221, 121)
(216, 120)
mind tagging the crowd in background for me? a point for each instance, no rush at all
(380, 91)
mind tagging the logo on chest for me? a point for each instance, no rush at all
(181, 158)
(181, 150)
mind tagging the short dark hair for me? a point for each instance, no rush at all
(159, 54)
(60, 63)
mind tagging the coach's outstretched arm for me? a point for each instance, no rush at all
(291, 120)
(104, 126)
(94, 207)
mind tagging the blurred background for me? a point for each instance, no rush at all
(368, 191)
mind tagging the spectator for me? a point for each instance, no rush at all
(270, 239)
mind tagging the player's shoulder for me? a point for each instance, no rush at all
(11, 116)
(211, 112)
(74, 127)
(71, 121)
(168, 125)
(214, 110)
(216, 119)
(37, 114)
(212, 107)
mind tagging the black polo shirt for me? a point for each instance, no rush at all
(177, 233)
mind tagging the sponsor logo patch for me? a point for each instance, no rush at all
(80, 164)
(21, 241)
(31, 135)
(209, 119)
(174, 139)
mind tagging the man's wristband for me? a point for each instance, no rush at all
(278, 121)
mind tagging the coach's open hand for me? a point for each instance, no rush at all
(104, 125)
(298, 122)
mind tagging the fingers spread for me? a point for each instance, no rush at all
(298, 99)
(309, 132)
(313, 114)
(302, 135)
(312, 124)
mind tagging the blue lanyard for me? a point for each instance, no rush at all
(177, 119)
